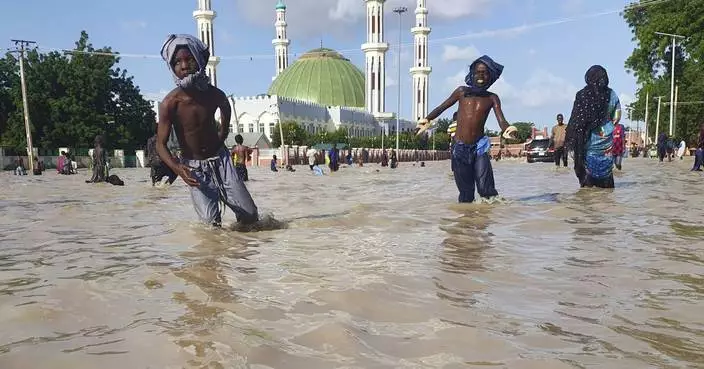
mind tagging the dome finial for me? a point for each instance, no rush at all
(280, 5)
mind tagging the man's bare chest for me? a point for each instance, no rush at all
(194, 114)
(475, 105)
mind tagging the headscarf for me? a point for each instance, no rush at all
(588, 112)
(200, 52)
(495, 69)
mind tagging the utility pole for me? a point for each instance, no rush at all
(675, 102)
(22, 45)
(672, 79)
(657, 121)
(647, 103)
(400, 10)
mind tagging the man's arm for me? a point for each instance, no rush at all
(163, 131)
(445, 104)
(225, 114)
(617, 113)
(503, 124)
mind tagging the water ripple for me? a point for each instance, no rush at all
(363, 269)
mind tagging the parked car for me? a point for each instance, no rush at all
(539, 150)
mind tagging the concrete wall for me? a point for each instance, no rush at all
(117, 160)
(297, 155)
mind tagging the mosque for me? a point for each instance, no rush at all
(322, 90)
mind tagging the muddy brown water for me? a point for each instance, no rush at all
(375, 270)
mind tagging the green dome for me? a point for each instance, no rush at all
(280, 5)
(322, 76)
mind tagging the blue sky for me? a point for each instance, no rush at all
(544, 65)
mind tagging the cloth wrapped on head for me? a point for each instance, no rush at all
(495, 69)
(200, 52)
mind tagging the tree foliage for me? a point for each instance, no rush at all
(293, 133)
(72, 97)
(442, 125)
(524, 131)
(650, 61)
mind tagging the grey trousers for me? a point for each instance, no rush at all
(219, 182)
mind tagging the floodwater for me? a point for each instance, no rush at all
(375, 270)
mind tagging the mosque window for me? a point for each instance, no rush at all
(261, 127)
(271, 128)
(251, 128)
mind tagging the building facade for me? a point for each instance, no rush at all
(322, 90)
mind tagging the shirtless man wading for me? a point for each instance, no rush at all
(189, 109)
(471, 162)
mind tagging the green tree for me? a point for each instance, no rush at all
(294, 134)
(524, 131)
(650, 61)
(442, 125)
(8, 78)
(441, 139)
(72, 97)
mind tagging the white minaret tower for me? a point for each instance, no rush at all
(375, 55)
(204, 19)
(420, 71)
(281, 41)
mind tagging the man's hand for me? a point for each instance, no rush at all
(422, 126)
(510, 133)
(184, 172)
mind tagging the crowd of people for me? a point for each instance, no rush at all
(594, 137)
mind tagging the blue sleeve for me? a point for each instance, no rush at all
(614, 106)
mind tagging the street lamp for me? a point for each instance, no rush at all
(657, 120)
(400, 10)
(281, 132)
(672, 81)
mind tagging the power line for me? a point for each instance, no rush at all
(474, 35)
(685, 103)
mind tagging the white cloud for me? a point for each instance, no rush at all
(541, 89)
(625, 99)
(307, 18)
(133, 25)
(155, 96)
(452, 53)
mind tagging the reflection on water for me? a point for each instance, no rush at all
(361, 269)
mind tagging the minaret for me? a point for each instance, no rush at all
(420, 71)
(204, 18)
(375, 55)
(281, 41)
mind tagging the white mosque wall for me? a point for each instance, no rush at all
(260, 114)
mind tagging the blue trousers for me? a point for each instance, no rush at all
(472, 170)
